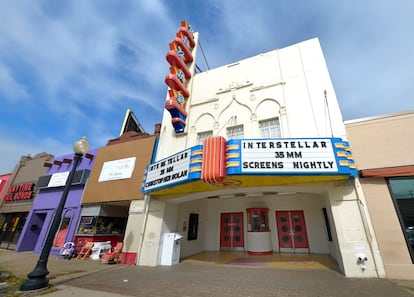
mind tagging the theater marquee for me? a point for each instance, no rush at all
(288, 156)
(238, 162)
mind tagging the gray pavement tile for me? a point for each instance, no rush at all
(89, 278)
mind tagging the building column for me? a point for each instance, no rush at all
(355, 240)
(148, 255)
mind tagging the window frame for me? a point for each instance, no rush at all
(269, 127)
(235, 134)
(394, 198)
(207, 134)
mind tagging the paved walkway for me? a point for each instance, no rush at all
(89, 278)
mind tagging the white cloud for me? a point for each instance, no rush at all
(12, 90)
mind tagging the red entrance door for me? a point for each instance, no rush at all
(232, 231)
(291, 230)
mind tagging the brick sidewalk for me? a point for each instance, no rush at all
(20, 264)
(226, 280)
(89, 278)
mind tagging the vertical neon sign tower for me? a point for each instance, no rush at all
(180, 58)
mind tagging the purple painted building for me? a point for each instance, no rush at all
(51, 188)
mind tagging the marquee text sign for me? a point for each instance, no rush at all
(278, 156)
(173, 169)
(288, 156)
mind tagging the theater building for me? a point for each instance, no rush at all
(383, 150)
(253, 157)
(18, 195)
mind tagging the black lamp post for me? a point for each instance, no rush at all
(37, 278)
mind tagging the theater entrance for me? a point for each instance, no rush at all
(291, 230)
(231, 232)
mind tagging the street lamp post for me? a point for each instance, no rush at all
(37, 278)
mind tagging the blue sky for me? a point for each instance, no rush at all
(72, 68)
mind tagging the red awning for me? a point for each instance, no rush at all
(388, 172)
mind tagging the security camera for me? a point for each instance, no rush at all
(361, 257)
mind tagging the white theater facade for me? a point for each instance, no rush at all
(259, 162)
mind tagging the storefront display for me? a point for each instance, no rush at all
(100, 225)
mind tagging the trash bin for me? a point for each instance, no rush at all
(171, 249)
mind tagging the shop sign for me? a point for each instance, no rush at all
(181, 61)
(19, 192)
(168, 171)
(288, 156)
(86, 220)
(118, 169)
(58, 179)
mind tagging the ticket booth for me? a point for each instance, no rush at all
(258, 232)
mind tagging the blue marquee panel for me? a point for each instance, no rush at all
(278, 156)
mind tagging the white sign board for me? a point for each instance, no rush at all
(58, 179)
(287, 155)
(168, 171)
(117, 169)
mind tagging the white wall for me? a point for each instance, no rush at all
(149, 255)
(193, 246)
(288, 83)
(210, 210)
(133, 232)
(354, 235)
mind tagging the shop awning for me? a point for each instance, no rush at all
(388, 171)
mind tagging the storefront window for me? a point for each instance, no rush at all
(257, 219)
(60, 237)
(100, 225)
(11, 229)
(402, 191)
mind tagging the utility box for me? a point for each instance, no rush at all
(171, 249)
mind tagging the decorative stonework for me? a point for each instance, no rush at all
(234, 86)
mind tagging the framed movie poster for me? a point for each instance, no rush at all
(193, 227)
